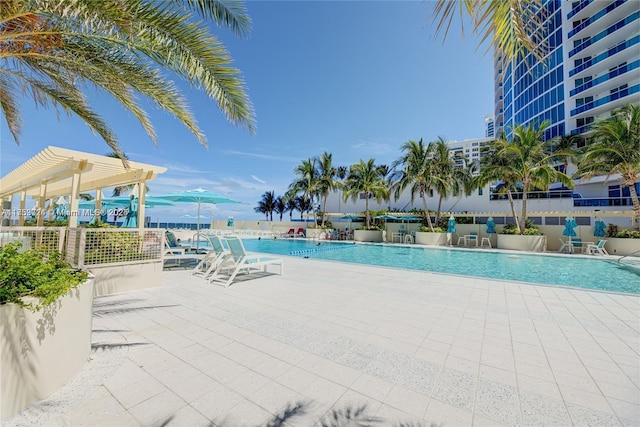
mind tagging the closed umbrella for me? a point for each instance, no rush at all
(131, 221)
(491, 226)
(569, 226)
(600, 228)
(451, 225)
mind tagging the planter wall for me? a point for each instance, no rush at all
(41, 351)
(367, 236)
(617, 246)
(428, 238)
(127, 277)
(518, 242)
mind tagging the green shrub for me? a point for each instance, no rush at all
(31, 274)
(530, 229)
(110, 247)
(426, 229)
(628, 234)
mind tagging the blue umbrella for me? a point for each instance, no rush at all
(199, 196)
(600, 228)
(451, 225)
(385, 217)
(569, 225)
(149, 201)
(491, 226)
(131, 221)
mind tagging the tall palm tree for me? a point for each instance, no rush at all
(616, 150)
(530, 163)
(366, 177)
(416, 169)
(291, 205)
(53, 50)
(304, 205)
(454, 178)
(279, 206)
(326, 180)
(513, 27)
(495, 165)
(306, 183)
(262, 209)
(341, 174)
(267, 204)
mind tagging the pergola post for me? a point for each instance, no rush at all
(23, 207)
(42, 197)
(98, 206)
(141, 202)
(73, 202)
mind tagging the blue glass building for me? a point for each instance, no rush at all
(591, 68)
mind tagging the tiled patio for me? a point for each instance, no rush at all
(328, 342)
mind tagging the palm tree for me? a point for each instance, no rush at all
(53, 50)
(121, 189)
(306, 183)
(495, 165)
(366, 177)
(416, 168)
(528, 162)
(262, 208)
(267, 204)
(341, 174)
(280, 206)
(616, 150)
(454, 178)
(304, 205)
(291, 205)
(326, 180)
(513, 27)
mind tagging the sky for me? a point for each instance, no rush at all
(354, 78)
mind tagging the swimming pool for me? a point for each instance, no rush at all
(553, 270)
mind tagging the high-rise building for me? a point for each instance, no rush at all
(489, 130)
(592, 67)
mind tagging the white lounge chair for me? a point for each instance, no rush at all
(598, 248)
(212, 259)
(238, 260)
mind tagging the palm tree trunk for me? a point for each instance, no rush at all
(439, 209)
(524, 211)
(366, 208)
(426, 211)
(634, 200)
(513, 210)
(324, 207)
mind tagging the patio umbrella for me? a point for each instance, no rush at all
(386, 217)
(600, 228)
(491, 226)
(61, 210)
(569, 225)
(352, 218)
(451, 225)
(149, 201)
(131, 221)
(199, 196)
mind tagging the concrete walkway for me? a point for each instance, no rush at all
(334, 342)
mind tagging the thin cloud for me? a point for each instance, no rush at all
(258, 179)
(261, 156)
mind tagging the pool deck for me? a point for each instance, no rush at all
(328, 341)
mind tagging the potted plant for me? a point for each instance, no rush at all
(45, 313)
(437, 237)
(624, 242)
(531, 238)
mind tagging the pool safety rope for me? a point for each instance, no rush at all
(321, 249)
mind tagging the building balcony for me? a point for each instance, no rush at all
(607, 100)
(622, 28)
(579, 8)
(594, 18)
(606, 55)
(606, 78)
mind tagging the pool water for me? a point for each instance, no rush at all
(589, 273)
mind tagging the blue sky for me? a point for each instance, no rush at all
(356, 79)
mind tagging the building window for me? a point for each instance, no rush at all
(580, 82)
(583, 121)
(619, 89)
(581, 101)
(579, 62)
(479, 191)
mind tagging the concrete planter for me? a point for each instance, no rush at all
(126, 277)
(428, 238)
(617, 246)
(374, 236)
(41, 351)
(317, 233)
(517, 242)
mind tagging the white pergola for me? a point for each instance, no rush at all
(56, 172)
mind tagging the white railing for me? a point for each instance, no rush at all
(91, 247)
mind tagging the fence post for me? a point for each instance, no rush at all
(81, 246)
